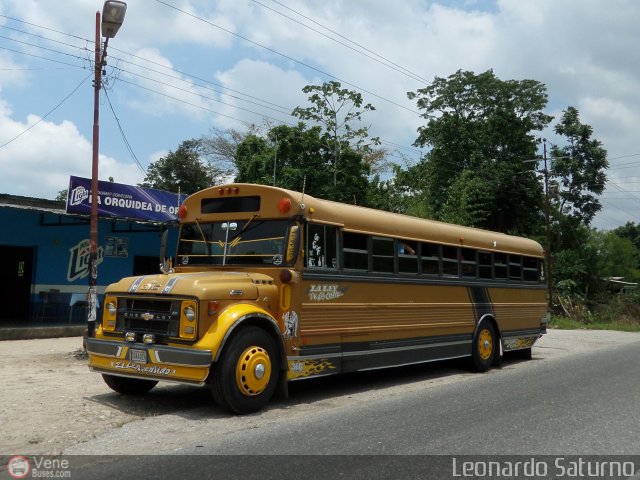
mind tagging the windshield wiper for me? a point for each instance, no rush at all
(204, 239)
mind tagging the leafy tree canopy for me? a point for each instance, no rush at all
(182, 171)
(578, 168)
(297, 158)
(480, 129)
(339, 112)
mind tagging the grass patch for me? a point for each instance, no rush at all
(565, 323)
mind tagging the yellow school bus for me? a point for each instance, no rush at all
(270, 286)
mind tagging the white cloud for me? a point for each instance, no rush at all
(165, 91)
(39, 162)
(264, 81)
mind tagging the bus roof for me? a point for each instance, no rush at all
(354, 218)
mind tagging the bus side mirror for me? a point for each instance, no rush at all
(293, 244)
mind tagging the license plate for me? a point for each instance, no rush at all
(138, 356)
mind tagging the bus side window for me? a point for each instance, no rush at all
(320, 247)
(530, 269)
(355, 251)
(515, 267)
(484, 265)
(430, 256)
(500, 266)
(382, 254)
(407, 257)
(468, 262)
(450, 264)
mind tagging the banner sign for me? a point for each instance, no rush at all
(124, 201)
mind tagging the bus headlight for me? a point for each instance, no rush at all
(190, 314)
(109, 316)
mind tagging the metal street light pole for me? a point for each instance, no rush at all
(112, 17)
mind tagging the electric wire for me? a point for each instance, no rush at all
(288, 57)
(409, 72)
(155, 71)
(390, 65)
(48, 113)
(124, 137)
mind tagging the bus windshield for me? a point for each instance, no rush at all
(233, 242)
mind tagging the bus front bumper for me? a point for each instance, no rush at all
(149, 361)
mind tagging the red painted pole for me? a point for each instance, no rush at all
(93, 231)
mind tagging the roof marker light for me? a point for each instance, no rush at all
(284, 205)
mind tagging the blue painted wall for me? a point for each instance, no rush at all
(60, 257)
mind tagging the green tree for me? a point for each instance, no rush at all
(182, 171)
(62, 195)
(297, 158)
(579, 169)
(480, 129)
(617, 256)
(630, 231)
(337, 110)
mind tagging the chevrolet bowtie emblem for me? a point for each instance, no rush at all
(147, 316)
(150, 286)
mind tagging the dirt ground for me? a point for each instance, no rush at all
(50, 401)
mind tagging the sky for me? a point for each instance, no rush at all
(178, 68)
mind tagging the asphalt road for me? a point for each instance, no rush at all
(576, 404)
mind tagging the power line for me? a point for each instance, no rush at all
(379, 59)
(124, 137)
(279, 109)
(48, 113)
(299, 62)
(279, 121)
(200, 95)
(43, 48)
(264, 103)
(42, 27)
(42, 37)
(43, 58)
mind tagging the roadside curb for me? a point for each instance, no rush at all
(54, 331)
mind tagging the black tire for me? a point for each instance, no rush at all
(129, 386)
(246, 374)
(484, 348)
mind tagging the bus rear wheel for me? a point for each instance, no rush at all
(484, 346)
(128, 386)
(245, 376)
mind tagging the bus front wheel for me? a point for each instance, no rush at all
(484, 347)
(245, 376)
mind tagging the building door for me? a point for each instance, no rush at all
(15, 277)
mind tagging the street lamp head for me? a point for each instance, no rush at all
(112, 17)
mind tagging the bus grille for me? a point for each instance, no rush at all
(160, 317)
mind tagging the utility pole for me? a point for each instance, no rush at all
(107, 24)
(547, 215)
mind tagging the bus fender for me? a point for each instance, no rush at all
(487, 317)
(240, 315)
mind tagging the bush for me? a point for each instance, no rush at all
(621, 308)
